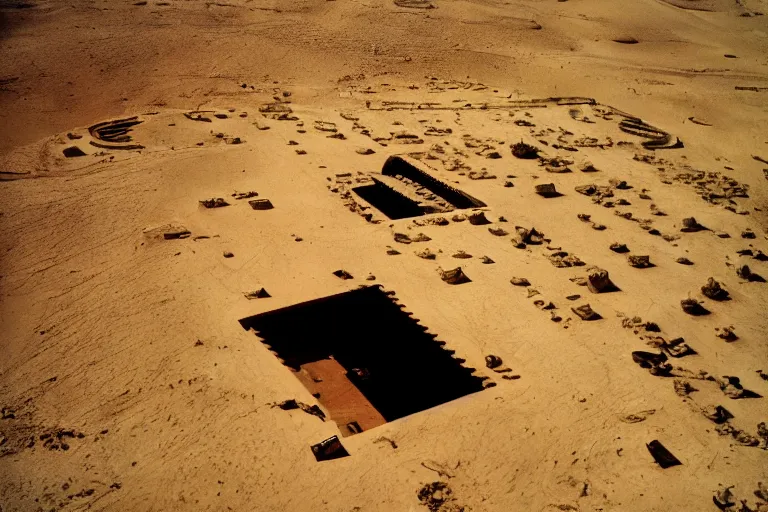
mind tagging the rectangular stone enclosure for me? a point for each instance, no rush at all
(365, 359)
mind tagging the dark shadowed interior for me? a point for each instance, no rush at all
(388, 357)
(388, 201)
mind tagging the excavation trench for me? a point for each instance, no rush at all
(365, 359)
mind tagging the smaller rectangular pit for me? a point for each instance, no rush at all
(388, 201)
(403, 190)
(398, 166)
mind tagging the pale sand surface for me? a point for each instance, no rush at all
(129, 346)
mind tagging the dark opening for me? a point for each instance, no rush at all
(397, 166)
(365, 359)
(389, 201)
(73, 151)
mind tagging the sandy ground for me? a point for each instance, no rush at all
(126, 379)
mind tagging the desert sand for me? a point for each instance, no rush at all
(511, 254)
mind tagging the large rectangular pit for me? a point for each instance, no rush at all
(365, 359)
